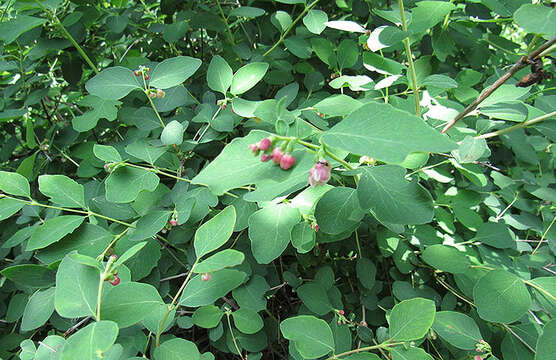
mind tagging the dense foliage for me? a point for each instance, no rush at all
(277, 179)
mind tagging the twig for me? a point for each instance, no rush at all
(410, 60)
(523, 62)
(76, 326)
(518, 126)
(519, 338)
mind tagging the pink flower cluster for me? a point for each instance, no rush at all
(285, 160)
(320, 173)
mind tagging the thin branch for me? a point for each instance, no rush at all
(523, 62)
(518, 126)
(519, 338)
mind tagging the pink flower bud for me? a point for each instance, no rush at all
(173, 222)
(287, 161)
(160, 93)
(320, 173)
(265, 157)
(116, 280)
(205, 277)
(114, 257)
(137, 73)
(265, 144)
(316, 228)
(341, 312)
(152, 95)
(277, 155)
(339, 323)
(147, 77)
(254, 149)
(477, 357)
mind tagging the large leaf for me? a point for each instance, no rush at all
(29, 275)
(128, 303)
(91, 342)
(385, 133)
(393, 199)
(198, 292)
(247, 77)
(215, 232)
(62, 190)
(220, 260)
(113, 83)
(338, 210)
(14, 184)
(458, 329)
(235, 167)
(411, 319)
(100, 109)
(172, 72)
(311, 336)
(12, 29)
(501, 296)
(270, 231)
(546, 346)
(124, 184)
(76, 289)
(53, 230)
(315, 21)
(446, 258)
(429, 13)
(537, 19)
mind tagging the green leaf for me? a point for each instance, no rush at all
(14, 184)
(247, 77)
(457, 329)
(29, 275)
(501, 296)
(497, 235)
(440, 81)
(128, 303)
(338, 210)
(391, 198)
(366, 272)
(270, 231)
(410, 353)
(247, 321)
(129, 253)
(208, 316)
(311, 336)
(348, 53)
(172, 133)
(337, 105)
(315, 21)
(427, 14)
(235, 167)
(91, 342)
(144, 261)
(251, 295)
(362, 356)
(106, 153)
(198, 292)
(144, 151)
(177, 349)
(52, 230)
(38, 310)
(113, 83)
(538, 19)
(124, 184)
(174, 71)
(12, 29)
(362, 134)
(88, 239)
(150, 224)
(281, 20)
(62, 190)
(247, 12)
(215, 232)
(9, 207)
(315, 298)
(350, 26)
(220, 260)
(303, 237)
(324, 50)
(219, 73)
(546, 347)
(101, 109)
(411, 319)
(446, 258)
(471, 149)
(53, 342)
(76, 289)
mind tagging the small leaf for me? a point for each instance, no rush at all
(106, 153)
(446, 258)
(29, 275)
(208, 316)
(315, 21)
(220, 260)
(38, 310)
(219, 73)
(350, 26)
(312, 337)
(76, 289)
(174, 71)
(247, 77)
(177, 348)
(215, 232)
(124, 184)
(198, 292)
(247, 321)
(411, 319)
(172, 133)
(129, 253)
(497, 235)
